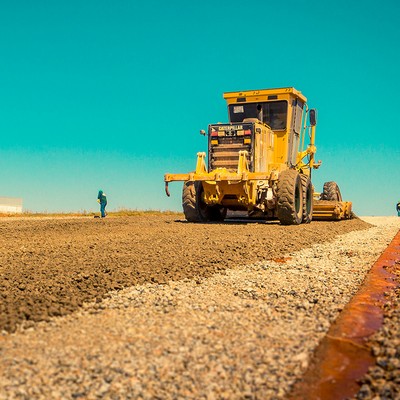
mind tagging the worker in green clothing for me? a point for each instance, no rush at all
(398, 208)
(102, 199)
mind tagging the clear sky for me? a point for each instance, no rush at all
(112, 94)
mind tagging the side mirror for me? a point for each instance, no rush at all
(203, 132)
(313, 117)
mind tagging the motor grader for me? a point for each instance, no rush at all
(260, 162)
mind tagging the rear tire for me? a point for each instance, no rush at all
(195, 209)
(331, 192)
(290, 198)
(308, 193)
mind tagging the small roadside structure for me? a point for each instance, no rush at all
(10, 205)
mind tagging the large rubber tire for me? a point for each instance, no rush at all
(189, 202)
(308, 193)
(195, 209)
(331, 192)
(290, 198)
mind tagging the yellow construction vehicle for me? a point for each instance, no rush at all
(260, 162)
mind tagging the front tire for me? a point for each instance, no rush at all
(195, 209)
(290, 198)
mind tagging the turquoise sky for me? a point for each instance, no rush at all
(112, 94)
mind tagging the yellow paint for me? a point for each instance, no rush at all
(273, 152)
(253, 96)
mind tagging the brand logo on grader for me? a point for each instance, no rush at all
(228, 130)
(230, 127)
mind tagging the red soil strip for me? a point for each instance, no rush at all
(342, 357)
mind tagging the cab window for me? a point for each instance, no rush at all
(273, 113)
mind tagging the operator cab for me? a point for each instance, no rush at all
(282, 109)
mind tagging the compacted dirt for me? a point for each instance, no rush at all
(50, 267)
(152, 307)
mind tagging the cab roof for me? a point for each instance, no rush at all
(248, 96)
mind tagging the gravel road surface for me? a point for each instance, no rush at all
(155, 308)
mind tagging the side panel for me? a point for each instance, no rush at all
(264, 148)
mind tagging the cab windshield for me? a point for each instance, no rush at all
(273, 113)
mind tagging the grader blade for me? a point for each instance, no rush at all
(327, 210)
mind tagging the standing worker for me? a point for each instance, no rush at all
(398, 208)
(102, 199)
